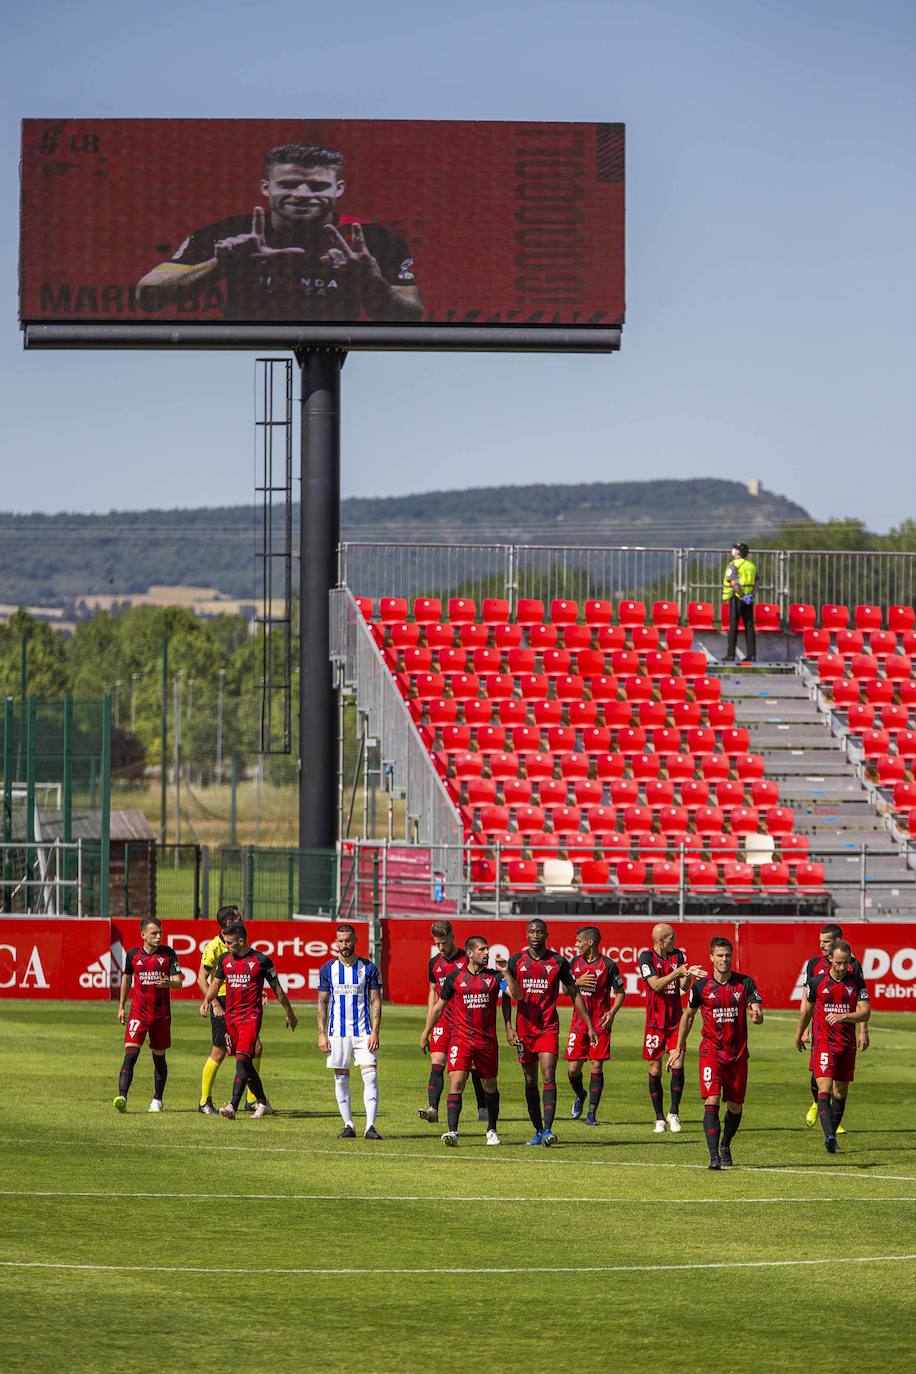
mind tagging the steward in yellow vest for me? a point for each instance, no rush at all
(739, 587)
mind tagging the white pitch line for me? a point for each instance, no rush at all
(884, 1030)
(438, 1201)
(442, 1272)
(833, 1173)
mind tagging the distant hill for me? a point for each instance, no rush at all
(56, 560)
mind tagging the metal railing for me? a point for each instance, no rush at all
(671, 574)
(44, 877)
(431, 817)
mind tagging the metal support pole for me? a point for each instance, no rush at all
(164, 751)
(319, 514)
(67, 798)
(233, 800)
(31, 761)
(106, 807)
(7, 800)
(863, 879)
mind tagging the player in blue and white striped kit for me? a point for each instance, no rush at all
(349, 1017)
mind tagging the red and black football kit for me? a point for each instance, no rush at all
(833, 1048)
(244, 976)
(440, 966)
(150, 1006)
(473, 999)
(723, 1047)
(598, 1003)
(297, 288)
(537, 1022)
(663, 1009)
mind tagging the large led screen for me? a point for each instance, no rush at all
(313, 222)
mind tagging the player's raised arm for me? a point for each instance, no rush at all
(508, 977)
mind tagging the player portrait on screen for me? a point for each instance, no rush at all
(300, 260)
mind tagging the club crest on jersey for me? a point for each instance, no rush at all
(736, 995)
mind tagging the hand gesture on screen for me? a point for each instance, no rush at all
(253, 245)
(349, 257)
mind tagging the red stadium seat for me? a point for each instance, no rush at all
(609, 766)
(453, 660)
(463, 686)
(565, 818)
(456, 739)
(478, 711)
(686, 714)
(774, 877)
(875, 743)
(694, 664)
(700, 615)
(868, 617)
(679, 767)
(631, 875)
(517, 791)
(882, 642)
(729, 793)
(830, 667)
(660, 792)
(720, 846)
(749, 766)
(645, 766)
(623, 791)
(596, 740)
(427, 609)
(569, 687)
(738, 877)
(904, 796)
(404, 634)
(906, 690)
(429, 685)
(578, 845)
(365, 606)
(503, 767)
(695, 792)
(702, 876)
(631, 740)
(815, 643)
(715, 767)
(707, 689)
(894, 717)
(494, 819)
(392, 609)
(860, 716)
(906, 745)
(577, 638)
(709, 819)
(624, 662)
(483, 873)
(701, 740)
(665, 614)
(507, 636)
(672, 690)
(543, 637)
(610, 637)
(845, 692)
(766, 617)
(481, 791)
(602, 820)
(573, 765)
(834, 617)
(667, 740)
(678, 638)
(494, 611)
(849, 642)
(467, 765)
(470, 635)
(442, 711)
(594, 875)
(556, 662)
(637, 689)
(637, 820)
(663, 873)
(898, 666)
(519, 661)
(530, 818)
(673, 820)
(603, 687)
(660, 663)
(583, 714)
(491, 739)
(537, 765)
(439, 636)
(461, 609)
(801, 617)
(745, 820)
(534, 686)
(879, 690)
(486, 661)
(548, 712)
(891, 769)
(780, 820)
(587, 791)
(735, 740)
(901, 618)
(765, 792)
(417, 660)
(526, 738)
(644, 638)
(529, 611)
(522, 873)
(809, 877)
(651, 715)
(564, 612)
(552, 791)
(631, 613)
(598, 612)
(794, 848)
(618, 715)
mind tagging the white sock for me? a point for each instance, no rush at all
(370, 1094)
(342, 1093)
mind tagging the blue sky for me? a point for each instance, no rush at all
(771, 232)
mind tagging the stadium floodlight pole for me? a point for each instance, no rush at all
(164, 747)
(319, 536)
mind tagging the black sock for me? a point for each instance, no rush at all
(533, 1102)
(711, 1130)
(595, 1089)
(837, 1108)
(436, 1084)
(655, 1092)
(492, 1110)
(577, 1084)
(550, 1105)
(125, 1077)
(478, 1090)
(825, 1115)
(813, 1088)
(732, 1122)
(677, 1088)
(454, 1110)
(243, 1070)
(255, 1084)
(160, 1074)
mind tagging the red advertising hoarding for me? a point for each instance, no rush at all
(386, 222)
(774, 953)
(53, 958)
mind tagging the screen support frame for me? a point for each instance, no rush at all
(555, 338)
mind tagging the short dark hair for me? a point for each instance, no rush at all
(474, 942)
(592, 931)
(743, 550)
(236, 928)
(304, 155)
(844, 945)
(345, 925)
(720, 942)
(831, 928)
(439, 929)
(536, 921)
(227, 914)
(150, 921)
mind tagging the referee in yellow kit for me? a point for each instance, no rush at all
(205, 976)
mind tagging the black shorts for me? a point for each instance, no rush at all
(218, 1027)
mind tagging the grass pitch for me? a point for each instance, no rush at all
(180, 1242)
